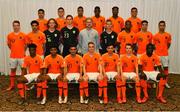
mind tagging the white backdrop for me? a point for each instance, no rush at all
(152, 10)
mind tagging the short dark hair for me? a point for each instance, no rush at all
(108, 20)
(34, 22)
(80, 7)
(134, 8)
(162, 21)
(127, 21)
(110, 44)
(53, 46)
(144, 21)
(41, 10)
(32, 46)
(128, 44)
(90, 43)
(97, 7)
(72, 45)
(69, 16)
(61, 8)
(16, 21)
(56, 24)
(152, 45)
(115, 7)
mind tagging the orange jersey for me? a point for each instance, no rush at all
(37, 38)
(110, 62)
(124, 38)
(136, 24)
(98, 24)
(73, 64)
(118, 24)
(61, 23)
(42, 24)
(161, 42)
(33, 64)
(91, 62)
(17, 43)
(143, 38)
(129, 64)
(79, 22)
(54, 65)
(148, 63)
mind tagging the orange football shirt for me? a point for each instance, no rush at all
(118, 24)
(136, 24)
(42, 24)
(61, 23)
(98, 24)
(79, 22)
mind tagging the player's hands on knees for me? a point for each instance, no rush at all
(65, 79)
(117, 77)
(105, 76)
(80, 79)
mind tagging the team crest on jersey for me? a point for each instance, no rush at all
(13, 41)
(119, 22)
(166, 37)
(131, 36)
(36, 61)
(58, 62)
(55, 35)
(132, 61)
(95, 59)
(39, 37)
(148, 36)
(74, 31)
(112, 36)
(77, 62)
(137, 22)
(153, 60)
(114, 60)
(101, 21)
(20, 37)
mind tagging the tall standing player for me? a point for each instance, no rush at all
(136, 22)
(16, 42)
(61, 19)
(162, 42)
(52, 36)
(79, 20)
(42, 21)
(98, 20)
(117, 21)
(37, 37)
(69, 35)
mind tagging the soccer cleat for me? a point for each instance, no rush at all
(119, 100)
(145, 99)
(154, 85)
(86, 100)
(10, 88)
(22, 101)
(167, 86)
(124, 100)
(65, 99)
(81, 99)
(161, 99)
(101, 100)
(43, 101)
(138, 100)
(60, 100)
(38, 101)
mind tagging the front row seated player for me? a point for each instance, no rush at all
(31, 71)
(129, 71)
(147, 62)
(92, 71)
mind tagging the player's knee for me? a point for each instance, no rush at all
(160, 75)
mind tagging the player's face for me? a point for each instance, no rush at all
(91, 48)
(69, 20)
(32, 51)
(128, 49)
(61, 13)
(73, 50)
(110, 49)
(144, 26)
(97, 12)
(89, 23)
(115, 11)
(80, 12)
(16, 26)
(41, 14)
(134, 13)
(53, 51)
(162, 26)
(109, 25)
(52, 24)
(34, 27)
(128, 25)
(149, 50)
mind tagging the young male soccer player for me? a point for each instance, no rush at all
(117, 21)
(16, 42)
(147, 62)
(79, 20)
(41, 20)
(162, 42)
(73, 71)
(92, 70)
(61, 19)
(36, 37)
(31, 71)
(129, 71)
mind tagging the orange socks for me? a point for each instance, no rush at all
(144, 86)
(44, 88)
(12, 79)
(39, 89)
(100, 87)
(161, 85)
(86, 88)
(21, 88)
(65, 89)
(81, 88)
